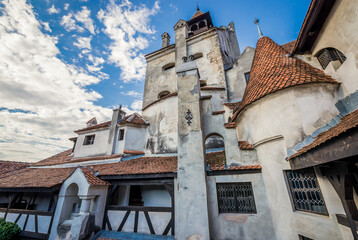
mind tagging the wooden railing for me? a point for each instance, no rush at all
(35, 213)
(138, 209)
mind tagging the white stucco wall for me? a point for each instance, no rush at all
(99, 146)
(238, 225)
(135, 138)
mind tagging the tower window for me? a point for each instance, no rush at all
(235, 198)
(327, 55)
(305, 191)
(194, 27)
(168, 66)
(247, 75)
(202, 24)
(121, 135)
(89, 140)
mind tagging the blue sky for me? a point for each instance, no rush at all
(64, 61)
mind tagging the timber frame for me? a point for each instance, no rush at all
(26, 212)
(338, 161)
(166, 180)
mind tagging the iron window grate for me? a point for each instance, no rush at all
(305, 191)
(235, 198)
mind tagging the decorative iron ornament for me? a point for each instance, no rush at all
(188, 117)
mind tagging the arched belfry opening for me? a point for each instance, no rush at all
(200, 22)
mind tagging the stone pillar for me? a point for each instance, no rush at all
(165, 40)
(181, 33)
(191, 203)
(86, 203)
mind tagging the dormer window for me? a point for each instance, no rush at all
(327, 55)
(89, 140)
(121, 135)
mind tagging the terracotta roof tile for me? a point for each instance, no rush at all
(232, 105)
(160, 99)
(35, 177)
(289, 46)
(347, 122)
(244, 145)
(230, 125)
(92, 179)
(100, 125)
(9, 166)
(133, 152)
(214, 158)
(273, 70)
(134, 118)
(197, 14)
(67, 157)
(218, 112)
(142, 165)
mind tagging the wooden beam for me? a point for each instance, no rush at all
(139, 208)
(232, 172)
(341, 147)
(120, 227)
(24, 211)
(149, 222)
(142, 182)
(139, 176)
(166, 230)
(55, 199)
(136, 216)
(32, 235)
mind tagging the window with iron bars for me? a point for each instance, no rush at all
(235, 198)
(328, 55)
(305, 191)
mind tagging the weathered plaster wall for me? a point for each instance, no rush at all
(135, 138)
(162, 132)
(214, 124)
(238, 225)
(235, 76)
(99, 146)
(210, 66)
(293, 113)
(337, 33)
(275, 123)
(157, 79)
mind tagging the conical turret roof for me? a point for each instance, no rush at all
(273, 69)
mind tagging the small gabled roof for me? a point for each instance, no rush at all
(97, 126)
(274, 69)
(197, 14)
(135, 119)
(92, 179)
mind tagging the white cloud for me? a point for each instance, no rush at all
(132, 94)
(128, 26)
(46, 26)
(48, 91)
(137, 105)
(84, 17)
(83, 42)
(70, 24)
(53, 10)
(66, 6)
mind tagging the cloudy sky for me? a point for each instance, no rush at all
(63, 62)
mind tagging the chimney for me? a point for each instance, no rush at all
(118, 115)
(165, 40)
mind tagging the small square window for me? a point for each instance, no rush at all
(247, 75)
(89, 140)
(235, 198)
(305, 191)
(121, 135)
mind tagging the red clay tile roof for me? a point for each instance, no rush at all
(232, 105)
(212, 88)
(9, 166)
(142, 165)
(160, 99)
(244, 145)
(100, 125)
(197, 14)
(133, 152)
(218, 112)
(289, 46)
(214, 158)
(219, 167)
(134, 118)
(35, 177)
(347, 122)
(273, 70)
(230, 125)
(92, 179)
(66, 157)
